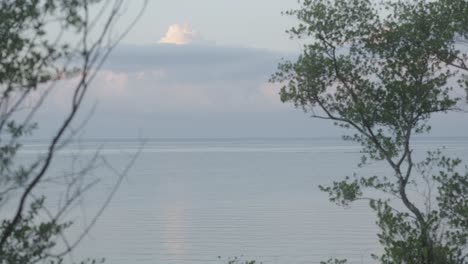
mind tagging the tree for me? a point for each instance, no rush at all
(41, 43)
(382, 69)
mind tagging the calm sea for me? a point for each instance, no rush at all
(192, 200)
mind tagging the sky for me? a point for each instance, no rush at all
(242, 23)
(198, 69)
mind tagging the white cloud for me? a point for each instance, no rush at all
(118, 81)
(180, 35)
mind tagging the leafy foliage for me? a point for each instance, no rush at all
(30, 242)
(334, 261)
(239, 260)
(34, 56)
(382, 69)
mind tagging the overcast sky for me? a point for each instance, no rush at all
(201, 69)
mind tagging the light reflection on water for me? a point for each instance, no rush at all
(189, 201)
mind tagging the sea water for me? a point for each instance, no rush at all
(208, 200)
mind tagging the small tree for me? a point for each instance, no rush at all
(382, 69)
(41, 43)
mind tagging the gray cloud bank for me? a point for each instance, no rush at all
(197, 63)
(166, 90)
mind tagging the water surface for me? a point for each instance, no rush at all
(192, 200)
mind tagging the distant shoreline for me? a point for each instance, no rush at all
(192, 139)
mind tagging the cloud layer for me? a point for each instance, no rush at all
(180, 35)
(192, 91)
(179, 79)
